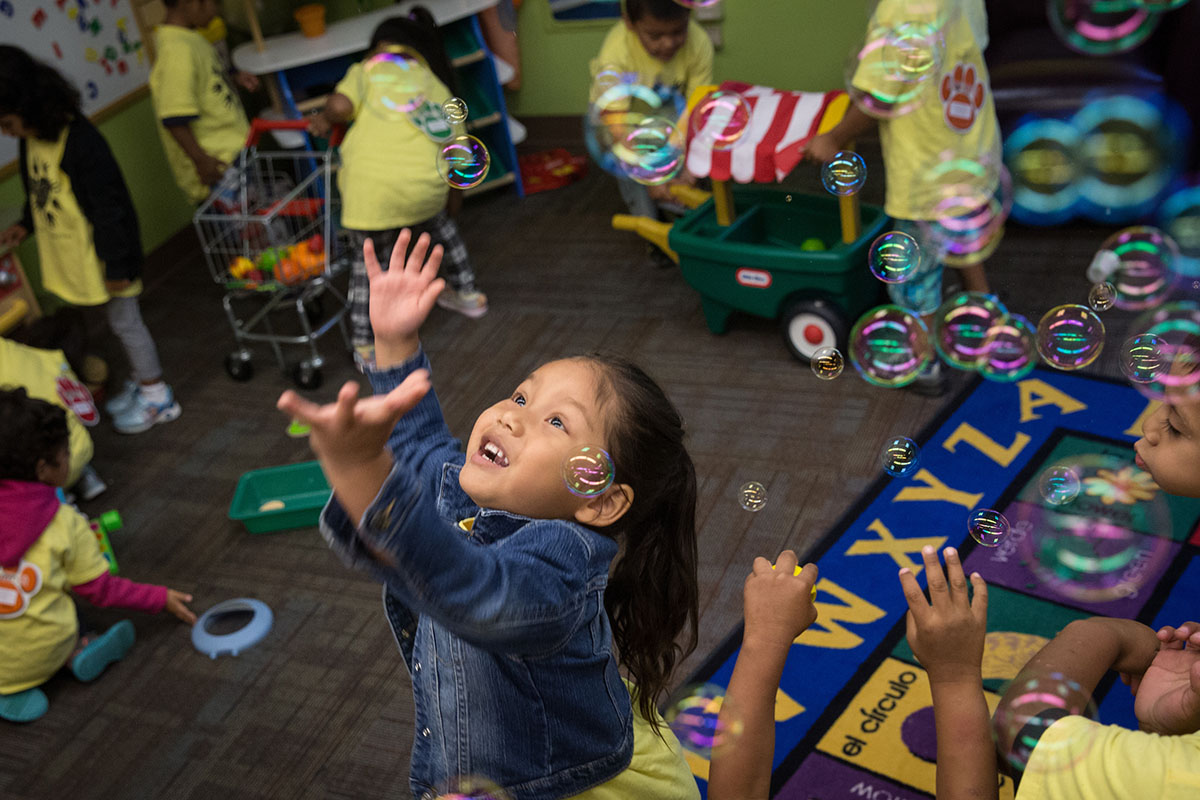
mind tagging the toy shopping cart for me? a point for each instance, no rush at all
(268, 237)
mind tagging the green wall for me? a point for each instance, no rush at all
(788, 44)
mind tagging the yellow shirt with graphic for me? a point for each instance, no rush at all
(956, 110)
(187, 81)
(389, 177)
(1078, 759)
(37, 616)
(71, 269)
(689, 68)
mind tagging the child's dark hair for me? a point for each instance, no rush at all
(43, 99)
(31, 430)
(652, 595)
(658, 9)
(419, 31)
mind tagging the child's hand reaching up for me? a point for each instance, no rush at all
(402, 296)
(946, 634)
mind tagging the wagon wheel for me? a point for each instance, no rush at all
(808, 325)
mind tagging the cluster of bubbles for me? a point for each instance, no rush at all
(988, 527)
(588, 471)
(704, 719)
(471, 787)
(901, 457)
(1022, 718)
(752, 496)
(844, 174)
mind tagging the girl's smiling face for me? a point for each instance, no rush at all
(1170, 448)
(517, 447)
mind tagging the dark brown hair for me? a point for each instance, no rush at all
(43, 99)
(31, 430)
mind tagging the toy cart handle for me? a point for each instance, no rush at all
(259, 126)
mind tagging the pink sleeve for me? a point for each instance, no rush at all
(111, 590)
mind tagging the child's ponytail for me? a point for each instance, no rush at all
(652, 595)
(419, 30)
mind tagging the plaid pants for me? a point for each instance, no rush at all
(456, 267)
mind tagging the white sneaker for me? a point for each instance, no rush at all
(122, 401)
(472, 304)
(90, 485)
(144, 415)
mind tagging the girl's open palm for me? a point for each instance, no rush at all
(404, 294)
(1167, 696)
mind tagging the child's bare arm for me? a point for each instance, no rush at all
(854, 124)
(338, 110)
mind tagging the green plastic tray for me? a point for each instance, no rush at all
(301, 488)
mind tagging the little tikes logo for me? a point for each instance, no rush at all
(76, 397)
(962, 96)
(753, 278)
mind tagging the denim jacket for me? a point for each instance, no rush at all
(503, 628)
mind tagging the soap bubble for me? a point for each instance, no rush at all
(1059, 485)
(471, 787)
(697, 3)
(1143, 357)
(719, 119)
(1100, 27)
(987, 526)
(752, 496)
(396, 82)
(1159, 5)
(1179, 218)
(1070, 337)
(901, 457)
(697, 720)
(961, 326)
(1103, 296)
(890, 73)
(1009, 349)
(652, 152)
(827, 363)
(606, 78)
(894, 256)
(844, 174)
(1022, 718)
(1140, 267)
(889, 346)
(1177, 329)
(630, 130)
(463, 162)
(588, 471)
(963, 204)
(455, 109)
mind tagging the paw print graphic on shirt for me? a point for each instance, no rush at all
(962, 97)
(17, 586)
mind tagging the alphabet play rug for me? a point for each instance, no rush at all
(1089, 533)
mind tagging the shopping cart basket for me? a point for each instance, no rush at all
(269, 237)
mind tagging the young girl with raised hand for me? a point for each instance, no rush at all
(497, 578)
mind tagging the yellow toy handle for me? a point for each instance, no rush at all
(797, 572)
(649, 229)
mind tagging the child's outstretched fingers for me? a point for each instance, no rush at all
(935, 579)
(296, 406)
(1185, 636)
(177, 605)
(400, 250)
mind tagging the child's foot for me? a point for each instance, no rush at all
(123, 400)
(90, 485)
(23, 706)
(469, 303)
(107, 648)
(151, 406)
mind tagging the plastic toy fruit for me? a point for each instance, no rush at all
(241, 267)
(316, 244)
(270, 258)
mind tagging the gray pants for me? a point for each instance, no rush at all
(125, 319)
(637, 198)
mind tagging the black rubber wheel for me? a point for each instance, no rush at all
(314, 309)
(809, 324)
(306, 376)
(239, 368)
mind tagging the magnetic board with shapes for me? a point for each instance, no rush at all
(95, 44)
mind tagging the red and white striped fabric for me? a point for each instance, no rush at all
(781, 123)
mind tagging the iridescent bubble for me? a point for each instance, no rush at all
(396, 83)
(844, 174)
(463, 162)
(652, 152)
(1102, 297)
(630, 131)
(1142, 272)
(1176, 327)
(961, 326)
(719, 120)
(1059, 485)
(697, 3)
(1143, 358)
(1029, 709)
(1101, 27)
(1070, 337)
(752, 496)
(894, 256)
(704, 719)
(912, 51)
(891, 72)
(901, 457)
(455, 109)
(606, 78)
(963, 204)
(988, 527)
(1159, 6)
(1179, 218)
(471, 787)
(588, 471)
(827, 363)
(889, 346)
(1009, 350)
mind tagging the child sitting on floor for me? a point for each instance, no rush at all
(47, 552)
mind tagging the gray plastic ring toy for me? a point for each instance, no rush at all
(244, 638)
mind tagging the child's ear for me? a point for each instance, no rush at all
(44, 470)
(604, 510)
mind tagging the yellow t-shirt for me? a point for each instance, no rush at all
(1078, 759)
(37, 616)
(657, 769)
(389, 177)
(956, 111)
(71, 269)
(187, 81)
(46, 376)
(690, 67)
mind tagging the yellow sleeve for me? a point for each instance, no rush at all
(174, 83)
(82, 560)
(700, 58)
(613, 53)
(353, 86)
